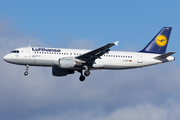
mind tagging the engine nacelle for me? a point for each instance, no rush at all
(66, 63)
(61, 72)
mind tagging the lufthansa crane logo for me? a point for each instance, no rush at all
(161, 40)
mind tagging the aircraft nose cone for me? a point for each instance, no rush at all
(6, 58)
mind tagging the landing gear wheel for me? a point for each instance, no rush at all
(25, 73)
(87, 73)
(82, 78)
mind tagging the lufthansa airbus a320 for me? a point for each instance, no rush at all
(67, 61)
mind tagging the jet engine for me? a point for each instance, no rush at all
(66, 63)
(56, 71)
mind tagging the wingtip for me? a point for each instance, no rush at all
(116, 43)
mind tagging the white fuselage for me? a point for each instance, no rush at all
(37, 56)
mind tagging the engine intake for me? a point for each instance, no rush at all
(66, 63)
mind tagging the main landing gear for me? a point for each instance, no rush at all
(26, 72)
(86, 73)
(82, 77)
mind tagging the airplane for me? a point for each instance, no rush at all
(67, 61)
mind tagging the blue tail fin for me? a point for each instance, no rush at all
(159, 43)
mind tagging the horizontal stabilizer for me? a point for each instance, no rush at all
(164, 55)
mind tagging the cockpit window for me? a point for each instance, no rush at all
(15, 51)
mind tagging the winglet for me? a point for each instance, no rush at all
(116, 43)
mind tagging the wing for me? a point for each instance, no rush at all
(91, 56)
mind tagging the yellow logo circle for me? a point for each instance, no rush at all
(161, 40)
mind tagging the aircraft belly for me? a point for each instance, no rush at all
(34, 62)
(118, 63)
(117, 67)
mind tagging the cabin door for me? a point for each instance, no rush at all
(27, 53)
(140, 58)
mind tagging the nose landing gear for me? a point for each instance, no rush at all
(26, 72)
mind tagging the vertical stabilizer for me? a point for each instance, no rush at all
(159, 43)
